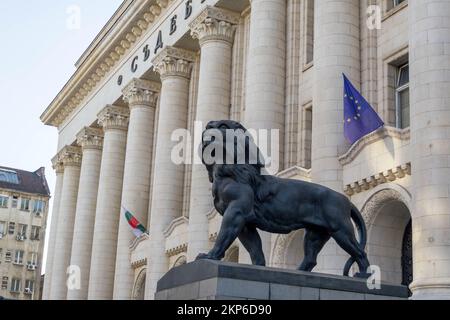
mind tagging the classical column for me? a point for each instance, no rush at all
(114, 120)
(174, 65)
(215, 29)
(429, 25)
(266, 80)
(91, 142)
(59, 170)
(142, 97)
(336, 51)
(71, 159)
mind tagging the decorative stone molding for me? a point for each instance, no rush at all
(383, 177)
(114, 117)
(57, 164)
(177, 250)
(141, 92)
(92, 69)
(174, 224)
(295, 171)
(381, 134)
(279, 251)
(71, 156)
(174, 62)
(214, 24)
(90, 138)
(212, 214)
(137, 241)
(139, 263)
(213, 236)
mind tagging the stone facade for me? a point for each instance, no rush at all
(270, 64)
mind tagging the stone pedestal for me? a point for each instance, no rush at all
(213, 280)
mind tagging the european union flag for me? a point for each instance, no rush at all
(359, 117)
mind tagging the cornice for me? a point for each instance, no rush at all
(127, 27)
(134, 244)
(215, 24)
(371, 182)
(380, 134)
(90, 138)
(141, 92)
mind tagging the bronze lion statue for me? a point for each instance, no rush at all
(249, 200)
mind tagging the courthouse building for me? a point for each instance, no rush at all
(162, 65)
(24, 200)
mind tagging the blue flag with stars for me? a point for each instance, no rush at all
(359, 117)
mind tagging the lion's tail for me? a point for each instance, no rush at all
(362, 231)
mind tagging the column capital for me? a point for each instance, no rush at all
(114, 117)
(71, 156)
(90, 138)
(175, 62)
(141, 92)
(57, 164)
(214, 24)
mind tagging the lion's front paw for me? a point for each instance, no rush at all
(205, 256)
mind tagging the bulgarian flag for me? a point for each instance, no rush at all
(138, 228)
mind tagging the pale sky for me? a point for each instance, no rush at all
(40, 45)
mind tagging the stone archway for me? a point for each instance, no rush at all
(287, 252)
(139, 286)
(180, 261)
(388, 219)
(232, 255)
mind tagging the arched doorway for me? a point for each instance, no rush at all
(389, 243)
(139, 286)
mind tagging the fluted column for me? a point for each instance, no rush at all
(142, 97)
(429, 25)
(91, 142)
(71, 159)
(59, 170)
(215, 29)
(337, 51)
(266, 80)
(114, 120)
(266, 75)
(174, 65)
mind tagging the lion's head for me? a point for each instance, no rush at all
(228, 143)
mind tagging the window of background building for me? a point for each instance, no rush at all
(9, 176)
(33, 259)
(18, 257)
(15, 285)
(5, 281)
(12, 228)
(35, 233)
(15, 200)
(29, 286)
(402, 97)
(2, 229)
(39, 206)
(25, 204)
(8, 256)
(4, 201)
(22, 231)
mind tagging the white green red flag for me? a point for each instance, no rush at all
(138, 228)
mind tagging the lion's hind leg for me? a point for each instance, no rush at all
(314, 241)
(346, 239)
